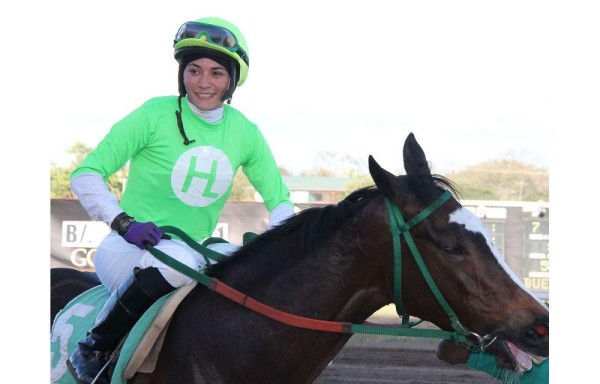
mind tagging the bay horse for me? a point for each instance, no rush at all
(336, 263)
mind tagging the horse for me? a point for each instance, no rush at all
(336, 263)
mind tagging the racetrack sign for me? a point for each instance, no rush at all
(83, 234)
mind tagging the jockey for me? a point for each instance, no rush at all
(183, 153)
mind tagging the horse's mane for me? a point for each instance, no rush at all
(307, 229)
(314, 225)
(311, 227)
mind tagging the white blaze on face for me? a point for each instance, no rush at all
(465, 217)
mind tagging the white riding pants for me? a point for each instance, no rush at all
(115, 259)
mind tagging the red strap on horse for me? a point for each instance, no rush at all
(276, 314)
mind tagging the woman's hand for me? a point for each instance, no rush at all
(142, 234)
(136, 233)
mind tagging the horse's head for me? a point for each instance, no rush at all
(471, 275)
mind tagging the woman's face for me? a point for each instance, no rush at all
(205, 81)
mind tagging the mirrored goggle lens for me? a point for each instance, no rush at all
(216, 35)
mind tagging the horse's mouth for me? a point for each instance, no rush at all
(511, 357)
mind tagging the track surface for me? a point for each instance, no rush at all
(396, 361)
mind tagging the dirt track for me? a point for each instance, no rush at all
(396, 361)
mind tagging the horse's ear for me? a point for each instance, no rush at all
(415, 162)
(382, 178)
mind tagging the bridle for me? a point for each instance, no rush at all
(401, 228)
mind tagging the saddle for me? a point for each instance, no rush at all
(144, 356)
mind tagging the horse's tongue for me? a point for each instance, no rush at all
(523, 359)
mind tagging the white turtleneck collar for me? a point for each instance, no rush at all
(213, 116)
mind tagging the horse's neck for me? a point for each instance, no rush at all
(341, 281)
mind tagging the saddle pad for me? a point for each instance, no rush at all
(145, 339)
(74, 321)
(71, 325)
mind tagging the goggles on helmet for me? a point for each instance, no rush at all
(216, 35)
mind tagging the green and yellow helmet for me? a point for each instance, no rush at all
(215, 38)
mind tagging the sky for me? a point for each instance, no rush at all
(473, 80)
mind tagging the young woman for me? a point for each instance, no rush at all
(184, 152)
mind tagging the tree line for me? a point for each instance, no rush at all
(508, 180)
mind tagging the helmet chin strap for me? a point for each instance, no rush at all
(186, 141)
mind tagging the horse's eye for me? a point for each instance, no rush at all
(454, 250)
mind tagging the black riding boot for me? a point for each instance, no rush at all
(131, 299)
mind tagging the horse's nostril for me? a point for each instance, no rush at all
(542, 329)
(538, 332)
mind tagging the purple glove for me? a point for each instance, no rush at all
(138, 234)
(141, 234)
